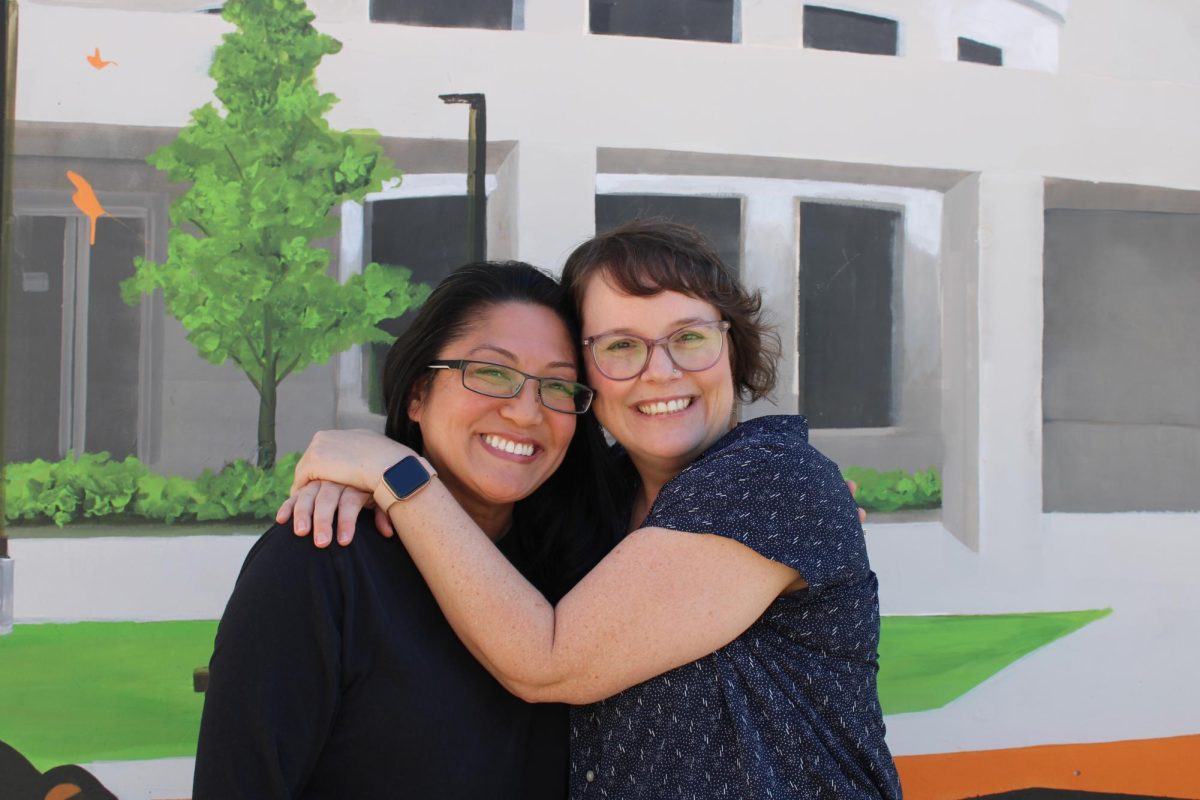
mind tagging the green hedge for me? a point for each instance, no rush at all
(93, 486)
(896, 490)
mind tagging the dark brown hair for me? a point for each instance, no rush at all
(648, 256)
(567, 525)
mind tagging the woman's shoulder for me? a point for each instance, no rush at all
(281, 555)
(768, 456)
(766, 441)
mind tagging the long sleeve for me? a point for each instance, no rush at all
(275, 675)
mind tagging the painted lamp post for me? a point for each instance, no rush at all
(6, 588)
(476, 171)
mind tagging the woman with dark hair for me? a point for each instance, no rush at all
(334, 674)
(727, 646)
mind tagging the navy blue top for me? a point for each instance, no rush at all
(335, 675)
(789, 708)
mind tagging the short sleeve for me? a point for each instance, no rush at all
(778, 496)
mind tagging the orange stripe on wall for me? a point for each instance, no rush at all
(1157, 767)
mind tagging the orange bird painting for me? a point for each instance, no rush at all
(86, 201)
(96, 61)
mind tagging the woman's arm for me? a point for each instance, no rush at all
(274, 675)
(659, 600)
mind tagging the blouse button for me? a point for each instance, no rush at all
(591, 776)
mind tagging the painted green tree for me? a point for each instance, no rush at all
(242, 274)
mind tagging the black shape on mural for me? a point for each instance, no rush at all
(20, 780)
(695, 20)
(979, 53)
(488, 14)
(423, 234)
(847, 257)
(718, 218)
(834, 29)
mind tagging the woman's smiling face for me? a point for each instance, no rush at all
(493, 451)
(664, 418)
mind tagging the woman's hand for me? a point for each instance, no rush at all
(315, 504)
(339, 472)
(862, 512)
(356, 459)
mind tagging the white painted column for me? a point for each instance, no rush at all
(1011, 241)
(773, 22)
(555, 16)
(960, 361)
(770, 264)
(556, 202)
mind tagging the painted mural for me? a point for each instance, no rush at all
(218, 215)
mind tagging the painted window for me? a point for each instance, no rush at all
(847, 260)
(835, 29)
(698, 20)
(720, 218)
(1120, 382)
(491, 14)
(428, 235)
(69, 337)
(979, 53)
(865, 335)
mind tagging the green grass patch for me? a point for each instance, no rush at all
(93, 691)
(925, 662)
(99, 691)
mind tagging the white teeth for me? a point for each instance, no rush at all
(667, 407)
(508, 446)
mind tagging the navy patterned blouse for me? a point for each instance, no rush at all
(789, 708)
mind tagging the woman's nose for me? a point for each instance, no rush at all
(526, 407)
(660, 367)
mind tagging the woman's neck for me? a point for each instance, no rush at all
(651, 480)
(494, 519)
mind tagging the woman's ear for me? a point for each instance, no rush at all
(416, 398)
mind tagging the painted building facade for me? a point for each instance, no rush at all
(1011, 186)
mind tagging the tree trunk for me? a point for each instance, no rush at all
(266, 400)
(266, 423)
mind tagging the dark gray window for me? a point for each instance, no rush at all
(491, 14)
(78, 389)
(834, 29)
(699, 20)
(427, 235)
(34, 337)
(1120, 381)
(113, 336)
(979, 53)
(719, 218)
(847, 259)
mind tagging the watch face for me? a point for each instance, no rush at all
(405, 477)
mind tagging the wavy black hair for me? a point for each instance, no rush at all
(567, 525)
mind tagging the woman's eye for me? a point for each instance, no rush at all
(560, 388)
(690, 337)
(493, 374)
(620, 345)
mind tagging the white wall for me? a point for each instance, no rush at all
(1123, 108)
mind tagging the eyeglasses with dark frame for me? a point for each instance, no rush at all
(692, 348)
(497, 380)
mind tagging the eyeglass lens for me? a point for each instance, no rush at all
(694, 348)
(498, 381)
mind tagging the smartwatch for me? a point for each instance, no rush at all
(401, 481)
